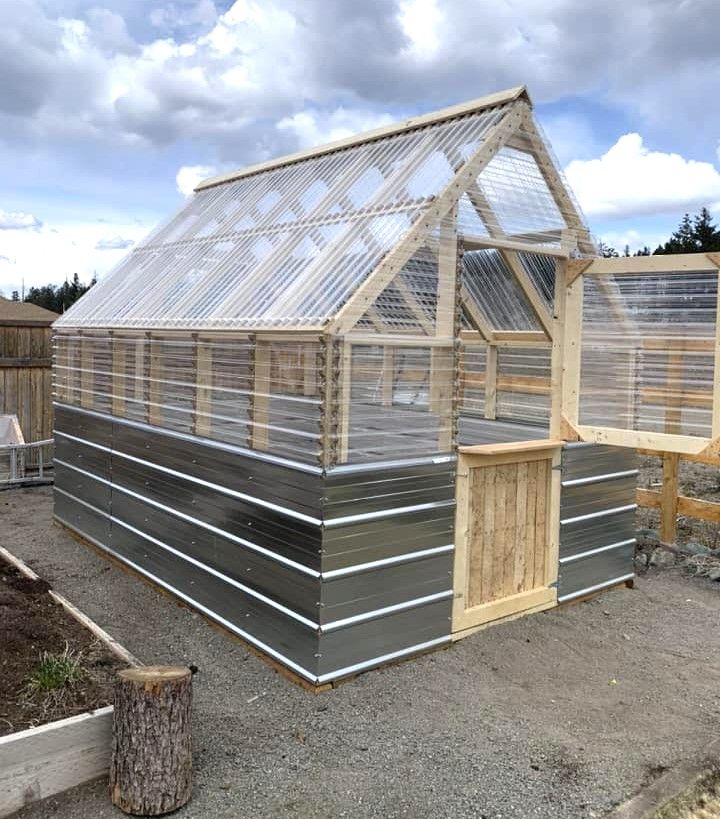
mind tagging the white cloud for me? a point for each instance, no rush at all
(56, 251)
(18, 220)
(420, 21)
(114, 243)
(190, 176)
(316, 127)
(630, 179)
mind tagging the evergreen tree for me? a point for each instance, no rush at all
(15, 295)
(696, 235)
(59, 298)
(606, 251)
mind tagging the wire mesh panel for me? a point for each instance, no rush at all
(648, 344)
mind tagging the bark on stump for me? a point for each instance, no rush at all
(151, 763)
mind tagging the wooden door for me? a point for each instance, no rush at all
(506, 559)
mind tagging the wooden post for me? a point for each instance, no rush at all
(203, 387)
(491, 357)
(155, 374)
(261, 396)
(344, 401)
(558, 344)
(309, 355)
(151, 763)
(87, 376)
(572, 352)
(118, 381)
(669, 497)
(716, 366)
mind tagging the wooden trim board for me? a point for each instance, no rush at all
(489, 101)
(51, 758)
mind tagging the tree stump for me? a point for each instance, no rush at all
(151, 763)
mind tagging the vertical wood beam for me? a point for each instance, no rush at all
(118, 358)
(260, 437)
(141, 390)
(328, 403)
(552, 561)
(309, 359)
(447, 277)
(203, 387)
(572, 352)
(669, 497)
(86, 371)
(716, 372)
(155, 374)
(344, 401)
(442, 390)
(558, 344)
(491, 357)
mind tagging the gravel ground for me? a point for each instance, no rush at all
(560, 714)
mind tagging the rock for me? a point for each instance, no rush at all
(714, 574)
(692, 548)
(648, 535)
(661, 558)
(641, 561)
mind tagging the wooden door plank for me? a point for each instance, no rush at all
(530, 526)
(541, 524)
(511, 531)
(521, 539)
(488, 534)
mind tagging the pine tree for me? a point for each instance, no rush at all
(696, 235)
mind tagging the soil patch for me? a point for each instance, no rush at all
(32, 625)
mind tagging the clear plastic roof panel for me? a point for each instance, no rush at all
(493, 288)
(285, 247)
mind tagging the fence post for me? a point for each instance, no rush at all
(669, 497)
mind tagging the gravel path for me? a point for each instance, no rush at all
(561, 714)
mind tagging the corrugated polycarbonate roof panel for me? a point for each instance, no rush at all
(287, 246)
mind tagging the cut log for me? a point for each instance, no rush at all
(151, 764)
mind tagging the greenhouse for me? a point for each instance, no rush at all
(336, 402)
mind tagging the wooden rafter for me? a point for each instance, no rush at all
(473, 313)
(531, 141)
(529, 290)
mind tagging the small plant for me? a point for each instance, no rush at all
(53, 673)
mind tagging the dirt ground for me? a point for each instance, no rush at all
(31, 623)
(559, 715)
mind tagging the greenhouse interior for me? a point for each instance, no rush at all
(357, 402)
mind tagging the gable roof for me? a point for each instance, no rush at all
(288, 243)
(22, 312)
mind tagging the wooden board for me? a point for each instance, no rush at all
(51, 758)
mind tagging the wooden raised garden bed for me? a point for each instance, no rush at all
(56, 684)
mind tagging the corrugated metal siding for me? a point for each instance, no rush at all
(597, 518)
(328, 573)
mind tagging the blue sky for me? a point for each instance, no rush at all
(110, 109)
